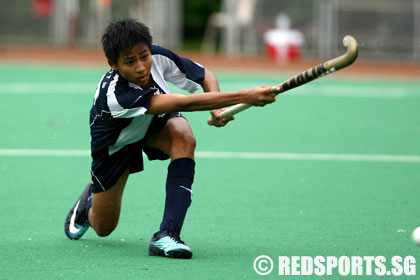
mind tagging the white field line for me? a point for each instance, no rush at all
(44, 153)
(356, 91)
(232, 155)
(47, 88)
(309, 156)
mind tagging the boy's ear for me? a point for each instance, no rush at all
(112, 64)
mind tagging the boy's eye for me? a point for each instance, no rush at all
(145, 56)
(129, 62)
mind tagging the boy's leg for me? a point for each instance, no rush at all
(99, 210)
(176, 140)
(106, 207)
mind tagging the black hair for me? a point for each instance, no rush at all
(121, 36)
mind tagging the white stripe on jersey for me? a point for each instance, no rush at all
(170, 73)
(111, 99)
(98, 89)
(117, 111)
(134, 132)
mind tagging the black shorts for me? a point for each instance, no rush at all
(106, 171)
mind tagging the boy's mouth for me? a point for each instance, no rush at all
(142, 79)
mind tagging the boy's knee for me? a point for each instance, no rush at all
(104, 231)
(184, 138)
(189, 140)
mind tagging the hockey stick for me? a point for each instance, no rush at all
(311, 74)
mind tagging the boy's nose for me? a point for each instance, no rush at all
(140, 67)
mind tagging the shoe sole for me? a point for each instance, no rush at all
(177, 254)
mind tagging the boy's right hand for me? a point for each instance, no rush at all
(216, 118)
(261, 95)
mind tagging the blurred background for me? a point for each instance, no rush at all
(343, 150)
(282, 30)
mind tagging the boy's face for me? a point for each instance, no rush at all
(135, 65)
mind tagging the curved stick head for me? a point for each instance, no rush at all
(346, 59)
(352, 48)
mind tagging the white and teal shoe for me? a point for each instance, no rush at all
(77, 222)
(169, 244)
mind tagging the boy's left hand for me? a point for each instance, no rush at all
(217, 120)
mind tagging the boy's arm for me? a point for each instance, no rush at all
(166, 103)
(211, 84)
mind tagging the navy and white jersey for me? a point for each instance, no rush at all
(118, 117)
